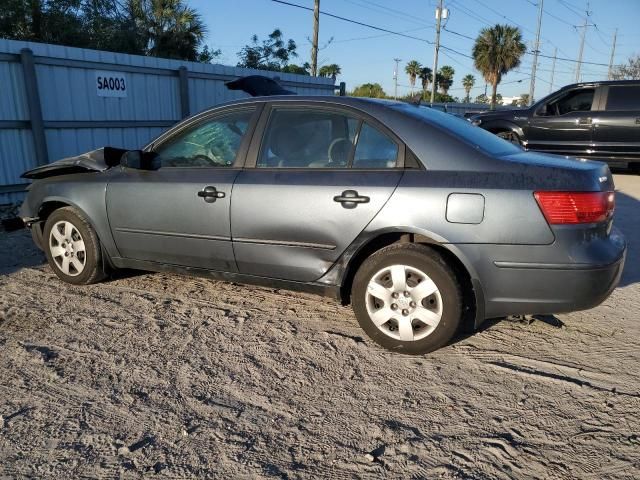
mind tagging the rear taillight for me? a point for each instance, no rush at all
(566, 208)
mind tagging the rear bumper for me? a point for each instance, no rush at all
(531, 284)
(543, 290)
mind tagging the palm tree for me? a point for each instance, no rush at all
(497, 50)
(413, 70)
(332, 71)
(426, 75)
(445, 78)
(171, 28)
(468, 82)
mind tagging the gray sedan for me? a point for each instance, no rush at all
(420, 220)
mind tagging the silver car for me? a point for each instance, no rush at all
(423, 222)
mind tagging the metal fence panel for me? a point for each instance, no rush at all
(74, 118)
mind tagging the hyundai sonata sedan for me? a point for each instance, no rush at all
(418, 219)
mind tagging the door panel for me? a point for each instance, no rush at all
(617, 127)
(564, 125)
(158, 216)
(286, 224)
(179, 214)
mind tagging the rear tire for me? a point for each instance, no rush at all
(407, 299)
(72, 247)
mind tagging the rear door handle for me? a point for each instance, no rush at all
(637, 120)
(350, 199)
(584, 121)
(210, 194)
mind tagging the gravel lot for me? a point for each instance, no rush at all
(177, 377)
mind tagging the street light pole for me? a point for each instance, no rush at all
(613, 52)
(584, 33)
(532, 87)
(439, 12)
(395, 78)
(314, 42)
(553, 69)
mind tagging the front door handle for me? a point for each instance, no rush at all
(350, 199)
(210, 194)
(584, 121)
(637, 120)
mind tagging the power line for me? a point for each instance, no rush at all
(532, 53)
(424, 40)
(356, 22)
(374, 7)
(570, 7)
(505, 17)
(374, 27)
(368, 37)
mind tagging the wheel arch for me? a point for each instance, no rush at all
(51, 204)
(351, 261)
(504, 126)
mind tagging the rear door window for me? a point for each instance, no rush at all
(308, 138)
(623, 98)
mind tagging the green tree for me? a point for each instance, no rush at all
(630, 71)
(468, 82)
(482, 98)
(413, 70)
(523, 101)
(165, 28)
(496, 51)
(207, 55)
(300, 70)
(273, 53)
(170, 28)
(445, 78)
(426, 77)
(332, 71)
(372, 90)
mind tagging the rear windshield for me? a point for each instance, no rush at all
(463, 129)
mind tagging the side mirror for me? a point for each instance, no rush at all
(140, 160)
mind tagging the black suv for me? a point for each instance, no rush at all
(598, 120)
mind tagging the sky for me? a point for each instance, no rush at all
(367, 55)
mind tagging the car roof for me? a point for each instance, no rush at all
(602, 83)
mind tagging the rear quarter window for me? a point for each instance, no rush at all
(462, 129)
(623, 98)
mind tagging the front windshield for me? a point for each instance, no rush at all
(475, 136)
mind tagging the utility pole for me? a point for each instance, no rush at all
(584, 32)
(440, 13)
(395, 78)
(314, 42)
(613, 52)
(553, 69)
(532, 87)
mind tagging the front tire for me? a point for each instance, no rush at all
(407, 299)
(72, 247)
(510, 136)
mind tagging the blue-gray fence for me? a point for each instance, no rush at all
(60, 101)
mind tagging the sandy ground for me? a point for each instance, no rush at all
(176, 377)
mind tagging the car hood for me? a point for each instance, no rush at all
(94, 161)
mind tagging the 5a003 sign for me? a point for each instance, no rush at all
(111, 84)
